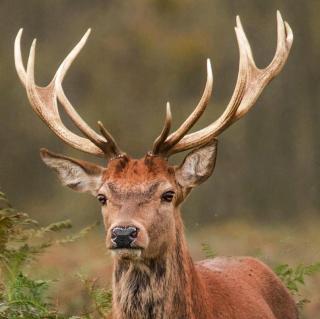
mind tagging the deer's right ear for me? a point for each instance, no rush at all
(79, 175)
(197, 166)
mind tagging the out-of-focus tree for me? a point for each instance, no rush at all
(143, 53)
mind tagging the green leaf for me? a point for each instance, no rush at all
(208, 252)
(22, 240)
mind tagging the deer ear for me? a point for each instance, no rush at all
(197, 166)
(79, 175)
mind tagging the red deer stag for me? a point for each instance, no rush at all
(154, 276)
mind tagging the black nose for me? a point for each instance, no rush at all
(122, 237)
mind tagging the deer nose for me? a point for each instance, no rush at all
(122, 237)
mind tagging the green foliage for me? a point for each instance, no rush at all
(207, 250)
(101, 298)
(23, 297)
(292, 277)
(21, 242)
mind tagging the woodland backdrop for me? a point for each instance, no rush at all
(146, 52)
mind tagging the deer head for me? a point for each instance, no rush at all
(140, 197)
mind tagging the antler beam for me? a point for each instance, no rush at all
(44, 102)
(250, 83)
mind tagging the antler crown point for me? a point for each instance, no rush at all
(238, 20)
(209, 68)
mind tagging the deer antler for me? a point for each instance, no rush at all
(250, 83)
(44, 102)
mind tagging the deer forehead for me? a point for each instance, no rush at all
(145, 175)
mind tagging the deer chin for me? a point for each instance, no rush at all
(127, 253)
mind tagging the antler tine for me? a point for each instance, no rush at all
(44, 102)
(250, 84)
(111, 146)
(232, 106)
(284, 43)
(108, 145)
(18, 58)
(165, 131)
(175, 137)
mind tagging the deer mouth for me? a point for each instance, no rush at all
(127, 253)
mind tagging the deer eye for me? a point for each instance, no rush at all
(167, 196)
(102, 199)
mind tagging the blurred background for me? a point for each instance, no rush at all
(263, 198)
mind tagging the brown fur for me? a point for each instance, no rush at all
(156, 278)
(166, 283)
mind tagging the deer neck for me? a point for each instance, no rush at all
(165, 287)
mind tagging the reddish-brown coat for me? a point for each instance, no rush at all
(136, 171)
(221, 288)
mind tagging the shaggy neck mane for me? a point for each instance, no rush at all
(164, 287)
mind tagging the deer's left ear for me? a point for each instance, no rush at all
(79, 175)
(197, 166)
